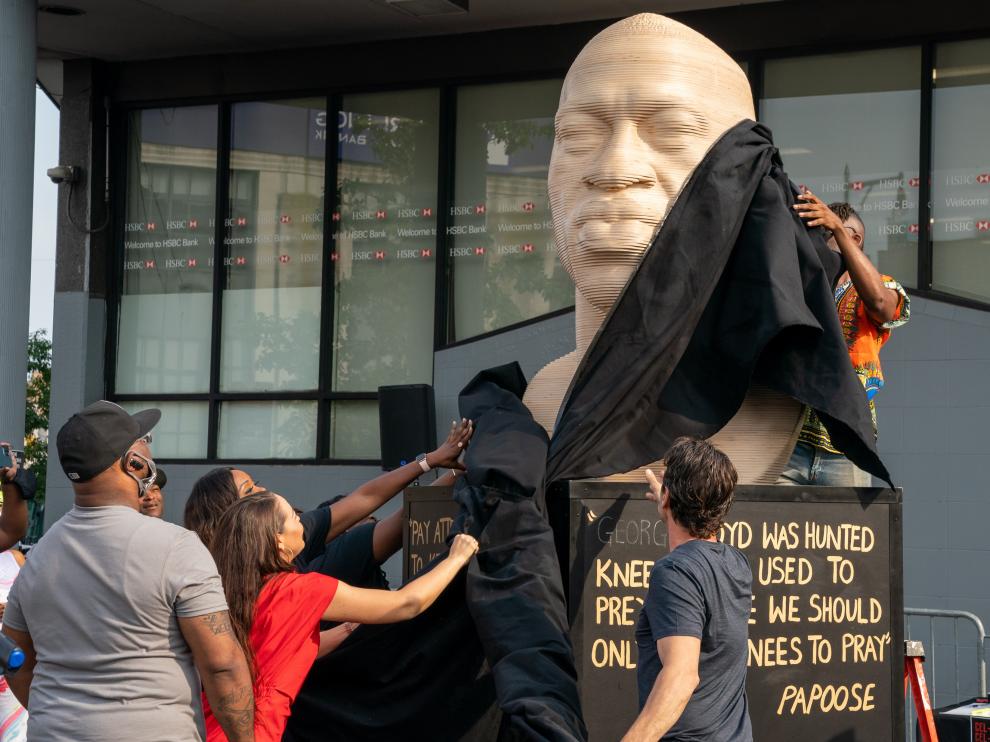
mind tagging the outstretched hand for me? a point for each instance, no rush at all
(816, 212)
(449, 452)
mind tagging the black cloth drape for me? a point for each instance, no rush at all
(734, 289)
(496, 639)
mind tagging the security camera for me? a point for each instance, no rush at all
(64, 174)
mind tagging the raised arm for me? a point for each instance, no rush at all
(14, 514)
(671, 691)
(388, 606)
(370, 496)
(20, 681)
(881, 302)
(223, 669)
(387, 538)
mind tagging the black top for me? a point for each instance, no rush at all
(701, 589)
(351, 559)
(316, 526)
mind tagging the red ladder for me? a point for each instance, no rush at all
(914, 675)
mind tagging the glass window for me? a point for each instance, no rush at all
(182, 431)
(273, 247)
(354, 430)
(847, 126)
(163, 335)
(961, 169)
(503, 265)
(384, 240)
(267, 430)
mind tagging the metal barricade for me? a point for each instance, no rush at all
(933, 614)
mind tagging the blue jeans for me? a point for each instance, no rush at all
(810, 465)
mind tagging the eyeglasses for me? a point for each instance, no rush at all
(141, 468)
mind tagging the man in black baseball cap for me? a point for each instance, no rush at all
(120, 606)
(98, 437)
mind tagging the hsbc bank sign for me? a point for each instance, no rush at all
(968, 179)
(346, 121)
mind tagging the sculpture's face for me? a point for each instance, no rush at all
(638, 112)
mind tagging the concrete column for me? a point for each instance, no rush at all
(18, 35)
(81, 255)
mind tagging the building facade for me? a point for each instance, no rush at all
(288, 230)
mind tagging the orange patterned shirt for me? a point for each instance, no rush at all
(864, 337)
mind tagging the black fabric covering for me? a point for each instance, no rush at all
(734, 289)
(499, 633)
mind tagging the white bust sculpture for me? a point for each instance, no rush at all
(640, 108)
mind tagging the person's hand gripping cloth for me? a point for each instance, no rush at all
(734, 289)
(492, 658)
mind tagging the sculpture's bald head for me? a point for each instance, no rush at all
(640, 107)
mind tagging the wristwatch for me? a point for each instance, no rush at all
(423, 463)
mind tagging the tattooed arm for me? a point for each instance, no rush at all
(224, 672)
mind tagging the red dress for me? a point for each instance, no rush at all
(285, 637)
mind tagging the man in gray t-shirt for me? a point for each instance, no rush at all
(693, 628)
(117, 611)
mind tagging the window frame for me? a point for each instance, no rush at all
(323, 395)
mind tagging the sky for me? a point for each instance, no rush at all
(45, 214)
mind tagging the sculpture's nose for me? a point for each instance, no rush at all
(623, 161)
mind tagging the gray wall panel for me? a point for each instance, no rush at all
(533, 346)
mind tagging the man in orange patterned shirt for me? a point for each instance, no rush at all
(870, 304)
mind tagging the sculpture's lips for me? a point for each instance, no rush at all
(610, 211)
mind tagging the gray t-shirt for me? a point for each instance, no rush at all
(701, 589)
(100, 595)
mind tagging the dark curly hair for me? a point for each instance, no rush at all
(699, 480)
(845, 212)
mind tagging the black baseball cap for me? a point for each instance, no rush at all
(94, 438)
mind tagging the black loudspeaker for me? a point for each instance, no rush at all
(407, 423)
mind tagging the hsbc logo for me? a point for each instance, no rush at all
(479, 209)
(333, 257)
(379, 255)
(856, 185)
(241, 260)
(425, 253)
(528, 247)
(426, 212)
(380, 214)
(284, 259)
(193, 223)
(241, 221)
(152, 226)
(479, 251)
(914, 182)
(335, 216)
(149, 263)
(528, 206)
(983, 178)
(191, 263)
(913, 229)
(285, 219)
(983, 225)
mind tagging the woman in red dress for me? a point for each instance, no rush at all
(275, 611)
